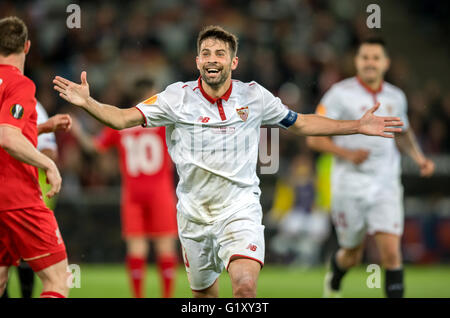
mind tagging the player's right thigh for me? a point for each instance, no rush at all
(33, 235)
(199, 251)
(349, 219)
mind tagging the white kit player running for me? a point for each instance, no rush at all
(212, 136)
(367, 195)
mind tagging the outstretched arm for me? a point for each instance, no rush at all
(112, 116)
(18, 146)
(407, 143)
(369, 124)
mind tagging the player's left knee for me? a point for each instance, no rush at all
(245, 288)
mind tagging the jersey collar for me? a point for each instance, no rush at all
(15, 68)
(367, 88)
(211, 99)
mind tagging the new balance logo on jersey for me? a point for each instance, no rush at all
(203, 119)
(252, 247)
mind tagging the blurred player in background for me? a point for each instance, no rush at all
(209, 122)
(28, 229)
(303, 226)
(148, 195)
(47, 145)
(367, 194)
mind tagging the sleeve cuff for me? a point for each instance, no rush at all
(145, 117)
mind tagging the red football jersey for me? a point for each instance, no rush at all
(19, 186)
(145, 163)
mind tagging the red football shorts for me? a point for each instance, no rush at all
(31, 234)
(151, 214)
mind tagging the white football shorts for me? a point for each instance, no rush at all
(356, 216)
(208, 248)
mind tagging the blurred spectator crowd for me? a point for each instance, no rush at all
(297, 49)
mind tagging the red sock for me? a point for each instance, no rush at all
(51, 294)
(136, 272)
(166, 266)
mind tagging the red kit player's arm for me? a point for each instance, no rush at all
(19, 147)
(13, 119)
(107, 138)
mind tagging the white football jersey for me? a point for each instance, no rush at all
(349, 100)
(214, 143)
(47, 140)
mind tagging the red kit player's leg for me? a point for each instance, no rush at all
(33, 235)
(133, 231)
(162, 228)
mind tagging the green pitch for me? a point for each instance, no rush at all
(106, 281)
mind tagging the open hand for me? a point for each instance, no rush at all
(372, 125)
(76, 94)
(54, 179)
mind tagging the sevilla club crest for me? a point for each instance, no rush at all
(243, 112)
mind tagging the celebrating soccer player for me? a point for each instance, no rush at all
(212, 126)
(367, 196)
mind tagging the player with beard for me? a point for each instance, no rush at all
(212, 131)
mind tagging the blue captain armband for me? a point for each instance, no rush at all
(289, 120)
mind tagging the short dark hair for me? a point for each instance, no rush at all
(374, 40)
(217, 32)
(13, 35)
